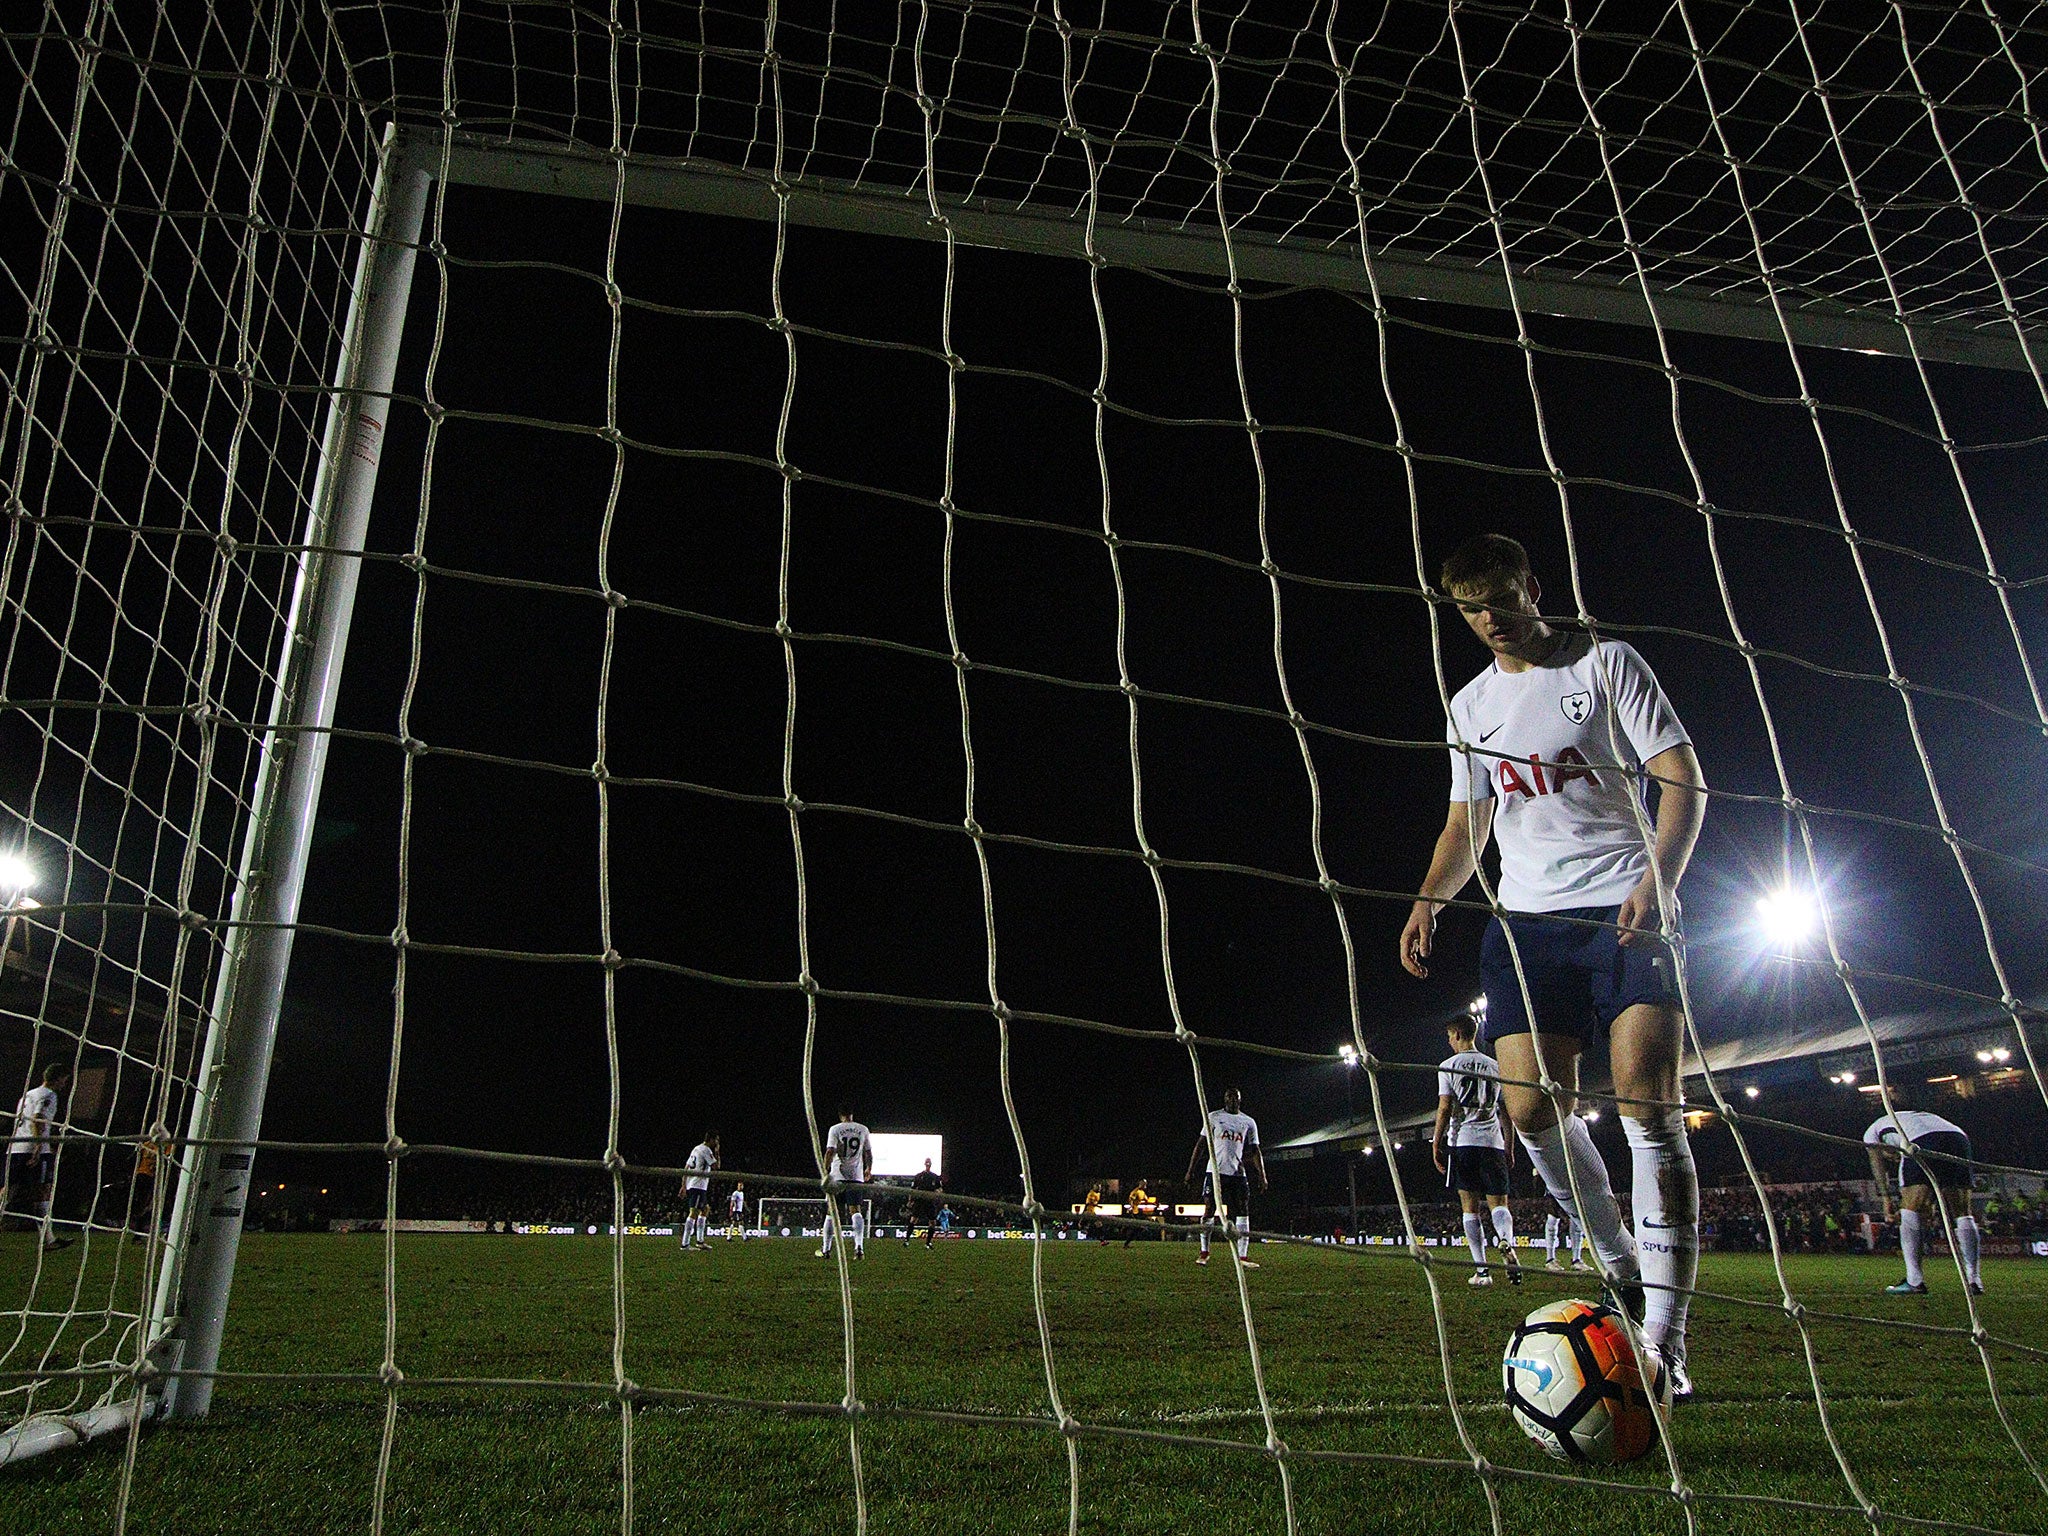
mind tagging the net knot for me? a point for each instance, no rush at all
(1327, 885)
(400, 937)
(1794, 1309)
(956, 362)
(614, 598)
(973, 827)
(1097, 260)
(1035, 1209)
(389, 1374)
(1232, 287)
(226, 543)
(599, 772)
(614, 1161)
(1275, 1446)
(193, 920)
(807, 983)
(1070, 1426)
(1980, 1335)
(1183, 1034)
(610, 433)
(200, 713)
(790, 472)
(395, 1148)
(1152, 857)
(791, 802)
(412, 746)
(1003, 1011)
(1482, 1466)
(1549, 1084)
(413, 561)
(627, 1391)
(611, 959)
(782, 628)
(960, 660)
(852, 1408)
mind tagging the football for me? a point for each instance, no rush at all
(1574, 1386)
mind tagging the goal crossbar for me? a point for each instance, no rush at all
(699, 186)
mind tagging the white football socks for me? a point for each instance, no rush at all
(1600, 1217)
(1970, 1244)
(1244, 1241)
(1550, 1236)
(1475, 1238)
(1909, 1246)
(1504, 1230)
(1205, 1242)
(860, 1232)
(1667, 1210)
(1575, 1237)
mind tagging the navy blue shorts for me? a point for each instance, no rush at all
(696, 1201)
(1580, 978)
(1938, 1171)
(1235, 1191)
(1479, 1170)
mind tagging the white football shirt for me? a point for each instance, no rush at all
(1543, 748)
(848, 1143)
(1917, 1123)
(1231, 1136)
(39, 1103)
(1471, 1081)
(738, 1201)
(702, 1161)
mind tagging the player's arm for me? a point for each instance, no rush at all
(1439, 1131)
(1195, 1157)
(1458, 846)
(1681, 807)
(1258, 1161)
(1880, 1172)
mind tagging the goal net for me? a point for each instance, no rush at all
(890, 556)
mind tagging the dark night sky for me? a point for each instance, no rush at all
(511, 1055)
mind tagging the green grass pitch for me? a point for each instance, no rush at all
(1144, 1339)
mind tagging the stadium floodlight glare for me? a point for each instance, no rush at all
(1787, 916)
(1591, 1115)
(1984, 1057)
(1348, 1054)
(1477, 1005)
(1752, 1092)
(16, 875)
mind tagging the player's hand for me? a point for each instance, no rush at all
(1640, 917)
(1436, 1154)
(1417, 937)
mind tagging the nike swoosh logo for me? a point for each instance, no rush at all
(1489, 734)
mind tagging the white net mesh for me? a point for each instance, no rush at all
(183, 202)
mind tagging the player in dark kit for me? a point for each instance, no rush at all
(924, 1205)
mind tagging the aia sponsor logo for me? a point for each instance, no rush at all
(1536, 778)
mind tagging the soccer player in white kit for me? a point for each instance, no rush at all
(697, 1172)
(736, 1211)
(1470, 1151)
(31, 1157)
(1231, 1143)
(1540, 744)
(851, 1152)
(1918, 1179)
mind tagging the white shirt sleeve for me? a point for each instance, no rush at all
(1445, 1088)
(1648, 722)
(1463, 786)
(1251, 1134)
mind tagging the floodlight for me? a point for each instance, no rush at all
(1477, 1005)
(1591, 1115)
(1752, 1092)
(2000, 1053)
(1984, 1057)
(16, 874)
(1787, 916)
(1348, 1053)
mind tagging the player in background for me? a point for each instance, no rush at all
(1553, 1225)
(850, 1155)
(735, 1212)
(1918, 1179)
(1471, 1150)
(1535, 740)
(924, 1203)
(1230, 1141)
(697, 1171)
(31, 1156)
(1558, 1227)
